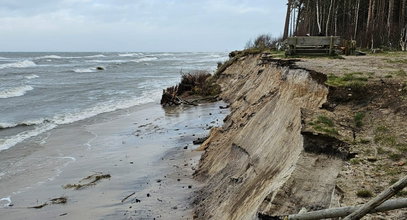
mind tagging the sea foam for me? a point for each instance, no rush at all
(15, 92)
(85, 70)
(130, 54)
(145, 59)
(49, 57)
(31, 76)
(20, 64)
(44, 125)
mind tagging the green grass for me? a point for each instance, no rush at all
(325, 120)
(382, 128)
(401, 147)
(395, 156)
(358, 119)
(400, 73)
(324, 124)
(364, 141)
(402, 61)
(349, 79)
(355, 161)
(364, 193)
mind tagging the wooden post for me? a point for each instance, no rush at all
(295, 45)
(331, 45)
(379, 199)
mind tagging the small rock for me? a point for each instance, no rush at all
(100, 68)
(138, 200)
(158, 181)
(131, 162)
(189, 187)
(175, 207)
(148, 195)
(186, 147)
(178, 180)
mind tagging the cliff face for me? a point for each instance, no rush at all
(291, 141)
(259, 160)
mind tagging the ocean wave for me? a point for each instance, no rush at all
(95, 56)
(85, 70)
(20, 64)
(10, 142)
(14, 92)
(8, 201)
(31, 76)
(23, 124)
(145, 59)
(130, 54)
(50, 57)
(166, 54)
(44, 125)
(107, 61)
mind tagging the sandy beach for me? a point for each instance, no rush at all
(146, 150)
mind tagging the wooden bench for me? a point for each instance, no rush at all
(312, 45)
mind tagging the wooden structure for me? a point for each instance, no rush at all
(311, 45)
(377, 204)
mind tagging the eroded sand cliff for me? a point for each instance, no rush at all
(271, 156)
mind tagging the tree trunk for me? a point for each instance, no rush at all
(356, 19)
(318, 15)
(328, 18)
(378, 200)
(390, 19)
(287, 19)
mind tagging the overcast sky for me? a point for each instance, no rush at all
(136, 25)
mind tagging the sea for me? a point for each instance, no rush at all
(41, 91)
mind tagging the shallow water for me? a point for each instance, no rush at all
(40, 91)
(136, 146)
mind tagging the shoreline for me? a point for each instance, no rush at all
(136, 146)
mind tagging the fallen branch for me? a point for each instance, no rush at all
(125, 198)
(379, 199)
(339, 212)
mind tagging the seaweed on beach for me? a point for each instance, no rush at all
(59, 200)
(87, 181)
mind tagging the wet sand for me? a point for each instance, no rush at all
(147, 150)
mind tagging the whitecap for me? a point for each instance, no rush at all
(4, 125)
(7, 125)
(20, 64)
(15, 92)
(85, 70)
(95, 56)
(130, 54)
(31, 76)
(49, 57)
(7, 199)
(145, 59)
(45, 125)
(10, 142)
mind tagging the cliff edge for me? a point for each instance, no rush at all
(293, 136)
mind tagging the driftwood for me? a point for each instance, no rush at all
(340, 212)
(379, 199)
(125, 198)
(173, 99)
